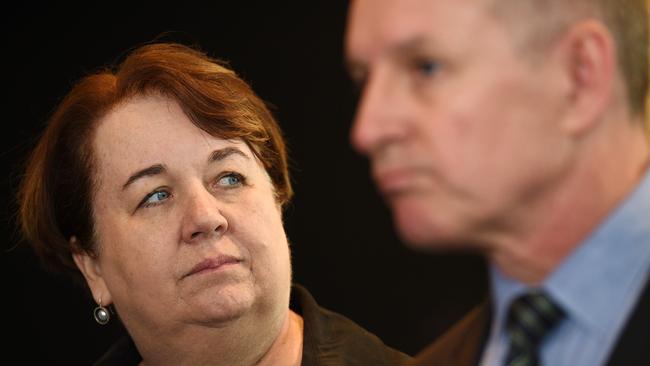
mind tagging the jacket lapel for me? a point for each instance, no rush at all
(633, 346)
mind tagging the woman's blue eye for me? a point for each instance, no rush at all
(231, 180)
(156, 197)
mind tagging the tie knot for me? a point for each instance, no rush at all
(531, 317)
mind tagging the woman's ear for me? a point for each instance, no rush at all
(89, 266)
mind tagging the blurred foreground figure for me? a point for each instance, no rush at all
(516, 128)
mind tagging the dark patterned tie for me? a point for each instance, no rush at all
(531, 317)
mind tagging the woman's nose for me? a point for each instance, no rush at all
(203, 219)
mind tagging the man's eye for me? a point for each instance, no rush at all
(425, 67)
(155, 198)
(231, 180)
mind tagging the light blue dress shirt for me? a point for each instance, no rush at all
(598, 286)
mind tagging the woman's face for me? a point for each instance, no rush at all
(187, 227)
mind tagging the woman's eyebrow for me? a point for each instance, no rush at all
(221, 154)
(217, 155)
(146, 172)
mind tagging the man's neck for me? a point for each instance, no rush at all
(600, 178)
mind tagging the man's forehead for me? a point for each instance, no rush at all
(385, 26)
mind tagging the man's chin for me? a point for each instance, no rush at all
(421, 229)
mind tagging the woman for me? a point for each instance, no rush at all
(162, 184)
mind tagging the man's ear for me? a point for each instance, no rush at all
(590, 64)
(88, 264)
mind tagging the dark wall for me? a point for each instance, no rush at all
(344, 246)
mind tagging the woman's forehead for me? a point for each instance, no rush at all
(154, 130)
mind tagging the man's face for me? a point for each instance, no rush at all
(463, 132)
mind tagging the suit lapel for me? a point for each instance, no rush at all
(633, 346)
(462, 344)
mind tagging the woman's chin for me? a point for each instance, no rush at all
(219, 306)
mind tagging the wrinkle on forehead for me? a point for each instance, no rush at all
(379, 26)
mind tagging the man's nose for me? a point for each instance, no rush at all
(377, 111)
(203, 218)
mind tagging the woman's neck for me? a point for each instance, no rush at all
(242, 345)
(287, 348)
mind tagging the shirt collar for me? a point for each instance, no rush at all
(610, 265)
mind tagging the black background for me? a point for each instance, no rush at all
(345, 249)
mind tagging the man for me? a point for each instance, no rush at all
(516, 128)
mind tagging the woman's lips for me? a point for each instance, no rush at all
(211, 264)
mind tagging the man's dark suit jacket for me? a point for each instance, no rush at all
(462, 345)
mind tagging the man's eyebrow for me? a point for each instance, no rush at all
(146, 172)
(221, 154)
(357, 69)
(411, 45)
